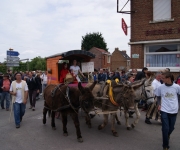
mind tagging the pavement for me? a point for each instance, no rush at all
(33, 135)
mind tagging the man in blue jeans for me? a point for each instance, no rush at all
(19, 92)
(167, 95)
(5, 95)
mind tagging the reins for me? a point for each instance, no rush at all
(68, 99)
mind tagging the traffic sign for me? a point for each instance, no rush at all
(16, 61)
(12, 65)
(124, 26)
(13, 58)
(12, 53)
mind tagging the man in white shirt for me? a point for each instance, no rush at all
(19, 92)
(44, 79)
(152, 107)
(167, 95)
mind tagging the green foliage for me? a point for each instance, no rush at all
(93, 40)
(37, 63)
(3, 68)
(23, 66)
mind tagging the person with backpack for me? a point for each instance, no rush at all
(34, 87)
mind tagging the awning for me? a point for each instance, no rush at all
(74, 53)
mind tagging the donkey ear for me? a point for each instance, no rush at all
(91, 87)
(81, 88)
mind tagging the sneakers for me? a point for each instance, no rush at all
(148, 121)
(33, 108)
(30, 107)
(17, 126)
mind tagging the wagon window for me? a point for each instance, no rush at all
(61, 61)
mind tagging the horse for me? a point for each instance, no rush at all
(122, 96)
(68, 100)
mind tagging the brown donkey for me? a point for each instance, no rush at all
(68, 100)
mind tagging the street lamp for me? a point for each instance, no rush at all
(11, 49)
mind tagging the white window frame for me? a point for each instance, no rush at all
(128, 63)
(159, 13)
(108, 58)
(146, 52)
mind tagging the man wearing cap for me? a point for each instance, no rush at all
(19, 92)
(5, 86)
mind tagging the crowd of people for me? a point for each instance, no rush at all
(166, 91)
(19, 86)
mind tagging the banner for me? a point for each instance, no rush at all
(87, 67)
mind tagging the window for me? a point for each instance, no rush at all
(161, 10)
(167, 55)
(128, 63)
(108, 59)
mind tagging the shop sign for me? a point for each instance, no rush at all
(135, 55)
(162, 31)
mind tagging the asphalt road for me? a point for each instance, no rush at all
(33, 135)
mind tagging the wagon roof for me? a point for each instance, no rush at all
(73, 52)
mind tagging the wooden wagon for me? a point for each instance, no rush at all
(54, 62)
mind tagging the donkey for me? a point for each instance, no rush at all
(143, 91)
(123, 96)
(68, 100)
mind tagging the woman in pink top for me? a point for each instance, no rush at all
(5, 93)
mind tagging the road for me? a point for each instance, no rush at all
(33, 135)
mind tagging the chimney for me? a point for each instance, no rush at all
(124, 51)
(116, 49)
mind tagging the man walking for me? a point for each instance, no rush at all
(167, 95)
(1, 84)
(19, 92)
(33, 86)
(152, 106)
(5, 86)
(44, 79)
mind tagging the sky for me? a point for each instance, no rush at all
(47, 27)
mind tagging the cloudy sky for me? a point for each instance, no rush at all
(47, 27)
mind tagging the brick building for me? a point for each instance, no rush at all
(120, 59)
(102, 59)
(155, 34)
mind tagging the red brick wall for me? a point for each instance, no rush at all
(99, 59)
(140, 25)
(144, 13)
(137, 62)
(118, 60)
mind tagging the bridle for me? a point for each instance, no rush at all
(144, 93)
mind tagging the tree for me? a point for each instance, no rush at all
(93, 40)
(3, 67)
(37, 63)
